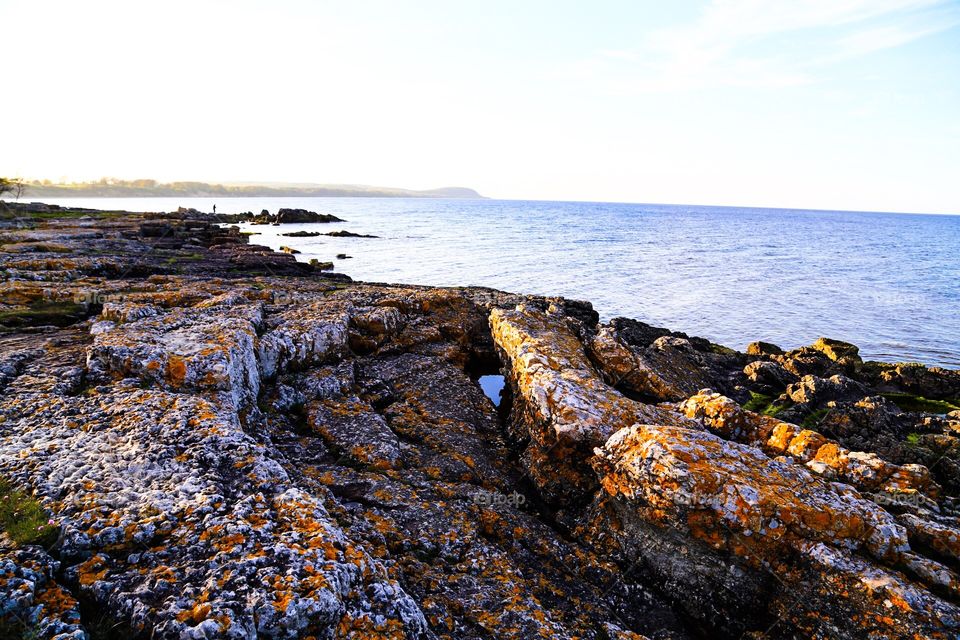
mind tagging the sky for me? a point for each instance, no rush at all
(831, 104)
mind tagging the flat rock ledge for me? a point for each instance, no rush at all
(232, 444)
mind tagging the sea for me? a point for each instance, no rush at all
(887, 282)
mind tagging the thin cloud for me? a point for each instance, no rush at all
(759, 44)
(886, 37)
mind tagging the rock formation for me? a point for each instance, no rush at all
(233, 444)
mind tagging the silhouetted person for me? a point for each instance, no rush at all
(214, 208)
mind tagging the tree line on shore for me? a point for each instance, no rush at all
(113, 187)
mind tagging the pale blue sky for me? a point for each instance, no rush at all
(851, 104)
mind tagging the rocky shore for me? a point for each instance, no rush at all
(228, 443)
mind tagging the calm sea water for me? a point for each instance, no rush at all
(889, 283)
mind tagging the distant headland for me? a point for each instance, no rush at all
(115, 188)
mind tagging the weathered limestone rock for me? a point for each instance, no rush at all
(865, 471)
(623, 367)
(169, 507)
(668, 368)
(303, 336)
(213, 348)
(837, 350)
(768, 378)
(807, 361)
(723, 490)
(816, 392)
(355, 432)
(30, 595)
(563, 408)
(734, 500)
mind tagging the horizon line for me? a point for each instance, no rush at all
(495, 199)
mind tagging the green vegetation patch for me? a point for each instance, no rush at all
(908, 402)
(719, 349)
(13, 628)
(69, 214)
(774, 410)
(24, 519)
(760, 403)
(34, 247)
(44, 312)
(185, 257)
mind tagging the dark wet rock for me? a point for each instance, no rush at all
(288, 216)
(319, 265)
(768, 377)
(348, 234)
(869, 422)
(823, 359)
(837, 350)
(816, 392)
(302, 234)
(807, 361)
(915, 379)
(761, 348)
(669, 367)
(343, 256)
(641, 334)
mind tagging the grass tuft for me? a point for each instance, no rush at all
(24, 519)
(12, 628)
(758, 402)
(43, 312)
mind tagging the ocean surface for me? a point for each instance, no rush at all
(889, 283)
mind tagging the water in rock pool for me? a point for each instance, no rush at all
(889, 283)
(492, 386)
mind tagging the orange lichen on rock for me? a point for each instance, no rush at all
(93, 570)
(865, 471)
(567, 408)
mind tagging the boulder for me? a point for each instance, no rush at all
(768, 519)
(200, 349)
(817, 392)
(821, 455)
(625, 368)
(806, 361)
(760, 348)
(348, 234)
(302, 234)
(289, 216)
(915, 379)
(837, 350)
(669, 368)
(770, 376)
(565, 408)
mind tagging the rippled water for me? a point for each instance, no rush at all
(887, 282)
